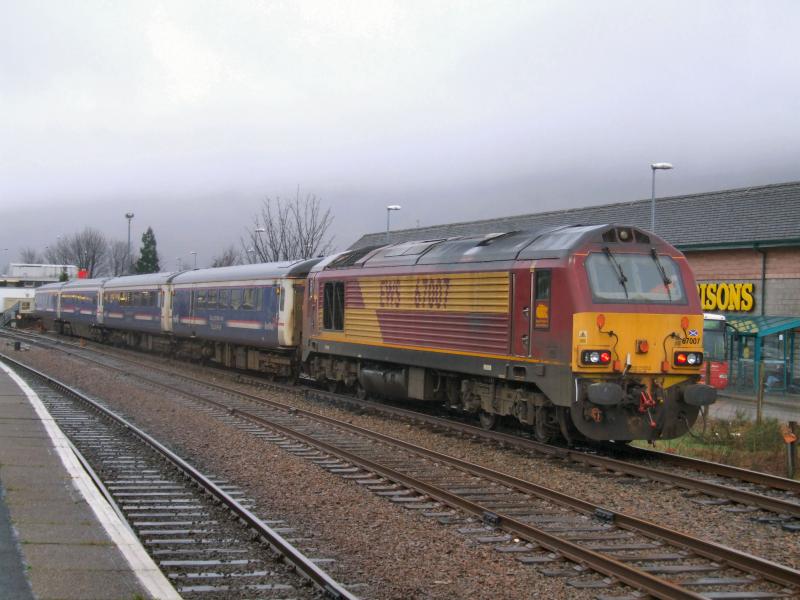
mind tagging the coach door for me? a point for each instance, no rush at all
(166, 294)
(310, 316)
(521, 313)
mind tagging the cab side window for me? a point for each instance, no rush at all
(542, 300)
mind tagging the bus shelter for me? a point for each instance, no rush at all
(763, 343)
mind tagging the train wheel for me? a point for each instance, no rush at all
(361, 393)
(332, 385)
(488, 420)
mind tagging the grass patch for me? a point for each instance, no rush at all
(738, 442)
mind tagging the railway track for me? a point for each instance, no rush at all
(537, 525)
(707, 483)
(200, 530)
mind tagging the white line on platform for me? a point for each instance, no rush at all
(142, 565)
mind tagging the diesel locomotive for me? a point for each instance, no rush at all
(578, 332)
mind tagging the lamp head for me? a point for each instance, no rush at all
(661, 166)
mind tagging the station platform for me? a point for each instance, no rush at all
(59, 537)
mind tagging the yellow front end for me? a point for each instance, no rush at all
(636, 374)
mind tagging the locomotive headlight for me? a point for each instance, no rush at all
(595, 357)
(691, 359)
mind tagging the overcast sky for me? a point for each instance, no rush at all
(188, 113)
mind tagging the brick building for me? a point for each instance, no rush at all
(744, 247)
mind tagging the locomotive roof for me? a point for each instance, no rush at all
(536, 243)
(295, 268)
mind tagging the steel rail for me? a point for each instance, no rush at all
(598, 562)
(303, 565)
(715, 468)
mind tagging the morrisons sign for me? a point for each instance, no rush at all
(727, 297)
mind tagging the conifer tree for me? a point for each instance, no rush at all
(148, 255)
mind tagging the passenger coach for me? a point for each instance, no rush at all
(247, 316)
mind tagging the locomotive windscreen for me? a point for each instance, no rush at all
(634, 278)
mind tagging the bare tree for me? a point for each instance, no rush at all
(87, 249)
(59, 253)
(117, 262)
(288, 229)
(229, 256)
(30, 256)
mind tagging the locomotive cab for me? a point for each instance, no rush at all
(637, 338)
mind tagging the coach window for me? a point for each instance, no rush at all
(211, 299)
(200, 299)
(333, 306)
(542, 300)
(224, 298)
(249, 299)
(236, 299)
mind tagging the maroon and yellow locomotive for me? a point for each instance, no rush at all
(583, 331)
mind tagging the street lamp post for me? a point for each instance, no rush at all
(662, 166)
(193, 253)
(259, 244)
(389, 210)
(129, 216)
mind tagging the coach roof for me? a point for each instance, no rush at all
(296, 268)
(50, 287)
(149, 279)
(78, 284)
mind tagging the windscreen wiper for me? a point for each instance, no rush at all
(620, 274)
(664, 277)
